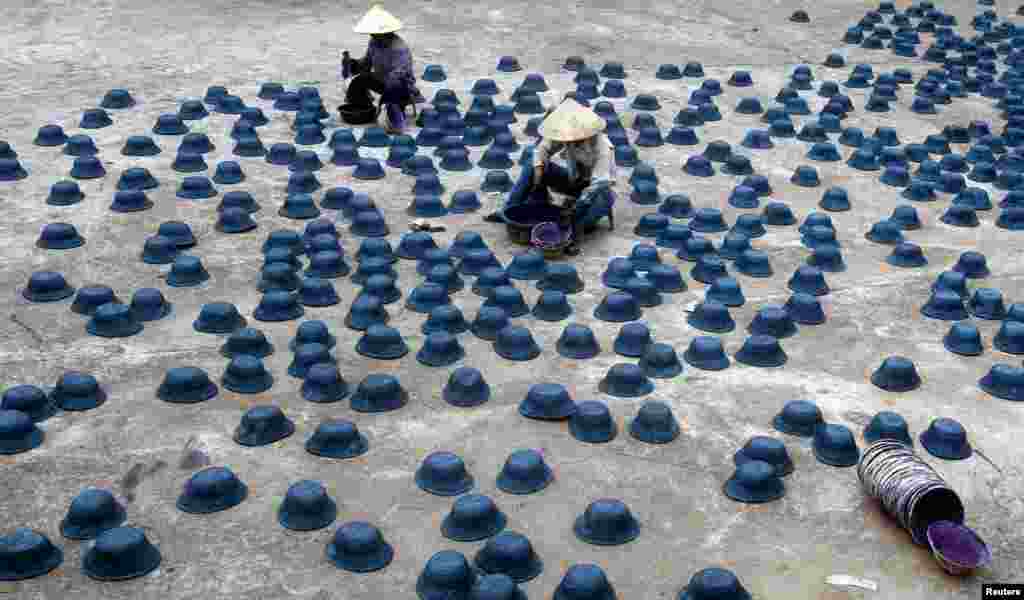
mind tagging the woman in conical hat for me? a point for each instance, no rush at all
(386, 69)
(577, 133)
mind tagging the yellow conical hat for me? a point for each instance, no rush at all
(571, 122)
(377, 20)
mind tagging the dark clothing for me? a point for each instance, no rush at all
(589, 210)
(386, 70)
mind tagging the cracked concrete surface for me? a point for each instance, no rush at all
(61, 56)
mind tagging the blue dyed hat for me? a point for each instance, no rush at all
(754, 481)
(553, 306)
(708, 220)
(278, 305)
(488, 322)
(475, 260)
(805, 176)
(366, 310)
(171, 124)
(644, 291)
(659, 361)
(187, 271)
(92, 512)
(64, 193)
(626, 156)
(212, 490)
(1010, 337)
(826, 152)
(618, 272)
(415, 244)
(91, 297)
(737, 164)
(835, 445)
(525, 472)
(773, 320)
(443, 474)
(711, 316)
(327, 264)
(50, 135)
(28, 399)
(946, 305)
(666, 279)
(346, 155)
(378, 393)
(761, 351)
(887, 425)
(359, 547)
(382, 342)
(440, 349)
(196, 187)
(972, 265)
(307, 507)
(577, 342)
(633, 339)
(809, 280)
(715, 583)
(140, 145)
(186, 385)
(336, 198)
(78, 391)
(305, 356)
(121, 553)
(751, 226)
(247, 341)
(696, 247)
(674, 236)
(279, 276)
(383, 287)
(434, 73)
(516, 343)
(302, 182)
(733, 244)
(338, 439)
(768, 450)
(964, 339)
(798, 417)
(261, 425)
(234, 220)
(805, 309)
(706, 353)
(427, 297)
(306, 160)
(270, 90)
(654, 423)
(238, 199)
(369, 223)
(1004, 381)
(18, 433)
(626, 380)
(682, 136)
(466, 388)
(95, 118)
(896, 374)
(708, 269)
(84, 167)
(987, 303)
(618, 307)
(246, 374)
(189, 162)
(59, 236)
(946, 438)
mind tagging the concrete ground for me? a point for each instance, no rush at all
(60, 57)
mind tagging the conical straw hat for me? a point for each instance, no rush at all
(377, 20)
(571, 122)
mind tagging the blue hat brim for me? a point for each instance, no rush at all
(962, 350)
(196, 195)
(517, 354)
(191, 397)
(74, 242)
(782, 426)
(300, 522)
(53, 296)
(757, 361)
(654, 437)
(318, 395)
(735, 491)
(484, 334)
(360, 404)
(454, 490)
(149, 259)
(203, 326)
(219, 179)
(204, 506)
(576, 355)
(391, 353)
(264, 439)
(602, 313)
(124, 329)
(703, 325)
(1011, 393)
(360, 447)
(628, 350)
(686, 595)
(609, 594)
(435, 360)
(146, 563)
(519, 488)
(376, 561)
(645, 388)
(877, 380)
(319, 301)
(275, 317)
(174, 281)
(78, 404)
(33, 440)
(576, 287)
(552, 315)
(50, 200)
(302, 214)
(54, 560)
(459, 534)
(941, 450)
(236, 228)
(585, 534)
(871, 436)
(717, 364)
(593, 436)
(843, 459)
(740, 458)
